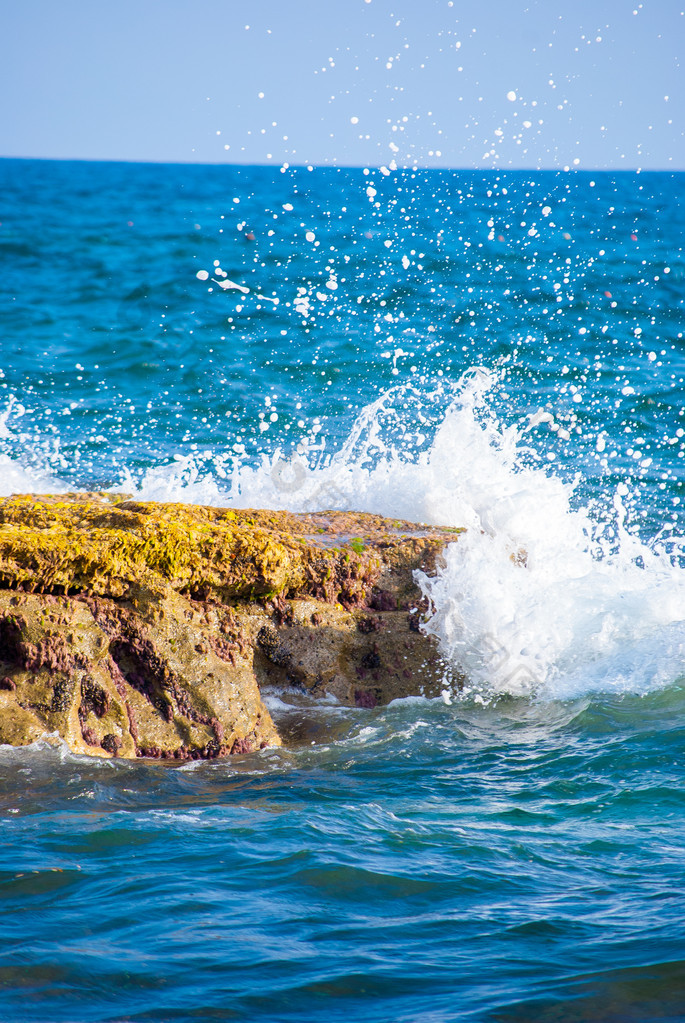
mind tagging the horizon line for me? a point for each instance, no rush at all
(286, 165)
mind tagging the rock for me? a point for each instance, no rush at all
(127, 678)
(138, 629)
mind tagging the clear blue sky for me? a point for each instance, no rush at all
(346, 81)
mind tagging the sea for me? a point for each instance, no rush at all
(498, 350)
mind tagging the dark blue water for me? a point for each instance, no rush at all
(499, 350)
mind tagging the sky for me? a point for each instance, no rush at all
(587, 84)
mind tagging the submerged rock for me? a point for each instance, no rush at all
(146, 630)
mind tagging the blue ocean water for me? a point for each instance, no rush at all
(499, 350)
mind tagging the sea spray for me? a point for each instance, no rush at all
(539, 596)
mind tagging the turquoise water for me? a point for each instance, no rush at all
(512, 853)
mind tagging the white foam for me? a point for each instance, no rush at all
(562, 624)
(19, 473)
(16, 478)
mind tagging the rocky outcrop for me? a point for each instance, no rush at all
(147, 630)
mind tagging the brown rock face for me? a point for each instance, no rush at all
(146, 630)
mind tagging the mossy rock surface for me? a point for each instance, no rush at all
(141, 629)
(86, 544)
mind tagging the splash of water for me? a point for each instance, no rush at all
(537, 597)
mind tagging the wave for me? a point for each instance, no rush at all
(538, 597)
